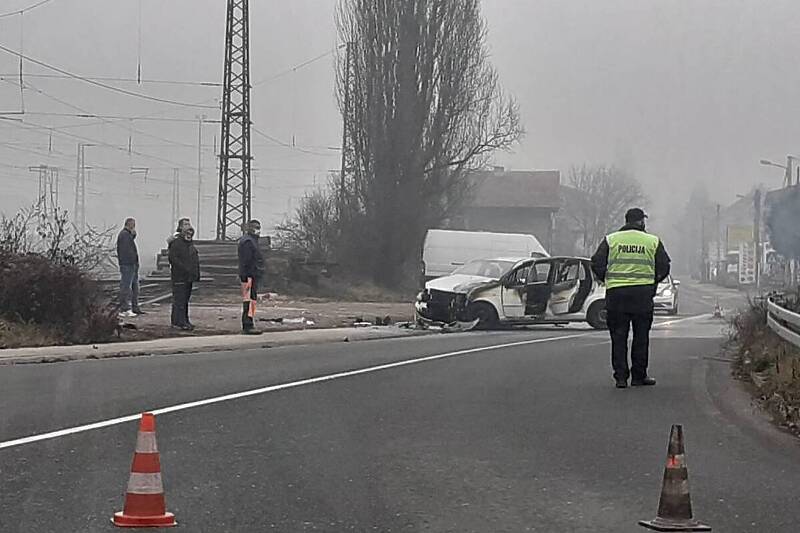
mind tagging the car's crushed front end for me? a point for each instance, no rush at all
(446, 300)
(440, 306)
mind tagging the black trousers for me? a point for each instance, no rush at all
(619, 324)
(181, 292)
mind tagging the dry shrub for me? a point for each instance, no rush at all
(46, 282)
(36, 290)
(762, 353)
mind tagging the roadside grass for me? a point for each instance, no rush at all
(19, 335)
(770, 364)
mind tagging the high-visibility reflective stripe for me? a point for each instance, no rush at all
(624, 261)
(146, 442)
(635, 275)
(145, 484)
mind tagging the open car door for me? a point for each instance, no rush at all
(566, 285)
(538, 288)
(513, 293)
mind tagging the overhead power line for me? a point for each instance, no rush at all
(131, 118)
(295, 68)
(287, 145)
(72, 106)
(25, 9)
(101, 84)
(121, 79)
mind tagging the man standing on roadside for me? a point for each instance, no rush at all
(182, 223)
(632, 263)
(185, 270)
(251, 271)
(128, 259)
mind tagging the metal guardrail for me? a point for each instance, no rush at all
(784, 322)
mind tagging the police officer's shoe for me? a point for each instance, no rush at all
(622, 383)
(643, 382)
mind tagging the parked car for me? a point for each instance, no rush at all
(516, 291)
(446, 250)
(666, 298)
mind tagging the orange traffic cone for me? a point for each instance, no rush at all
(675, 505)
(144, 501)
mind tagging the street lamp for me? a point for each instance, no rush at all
(787, 168)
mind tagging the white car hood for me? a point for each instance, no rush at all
(456, 283)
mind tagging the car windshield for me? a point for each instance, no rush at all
(488, 268)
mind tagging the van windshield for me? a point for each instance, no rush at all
(488, 268)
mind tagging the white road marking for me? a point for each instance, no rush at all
(679, 320)
(272, 388)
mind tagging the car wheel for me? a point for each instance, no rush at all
(597, 315)
(484, 313)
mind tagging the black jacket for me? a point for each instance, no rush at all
(631, 299)
(251, 261)
(183, 261)
(127, 253)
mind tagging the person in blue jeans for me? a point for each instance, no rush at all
(128, 258)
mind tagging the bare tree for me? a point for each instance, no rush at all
(422, 107)
(47, 231)
(607, 192)
(312, 230)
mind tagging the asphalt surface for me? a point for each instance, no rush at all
(504, 431)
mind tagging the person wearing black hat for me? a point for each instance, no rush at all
(631, 263)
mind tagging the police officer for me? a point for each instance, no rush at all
(632, 263)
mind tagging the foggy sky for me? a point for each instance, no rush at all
(677, 91)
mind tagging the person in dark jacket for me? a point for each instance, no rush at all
(631, 263)
(128, 259)
(251, 271)
(185, 270)
(183, 222)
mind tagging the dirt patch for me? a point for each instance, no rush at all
(214, 315)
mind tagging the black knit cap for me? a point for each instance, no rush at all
(635, 215)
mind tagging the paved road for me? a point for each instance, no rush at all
(500, 431)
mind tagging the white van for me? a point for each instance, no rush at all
(446, 250)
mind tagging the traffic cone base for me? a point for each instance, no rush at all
(122, 520)
(664, 524)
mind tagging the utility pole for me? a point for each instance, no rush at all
(347, 145)
(176, 193)
(719, 242)
(200, 119)
(757, 233)
(80, 190)
(233, 202)
(703, 250)
(48, 185)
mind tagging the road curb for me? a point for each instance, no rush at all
(213, 343)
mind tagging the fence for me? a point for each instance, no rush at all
(784, 322)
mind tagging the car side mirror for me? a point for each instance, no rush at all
(676, 282)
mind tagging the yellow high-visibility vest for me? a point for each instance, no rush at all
(631, 259)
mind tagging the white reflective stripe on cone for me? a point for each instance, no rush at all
(146, 442)
(145, 484)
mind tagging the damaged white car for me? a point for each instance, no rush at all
(516, 291)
